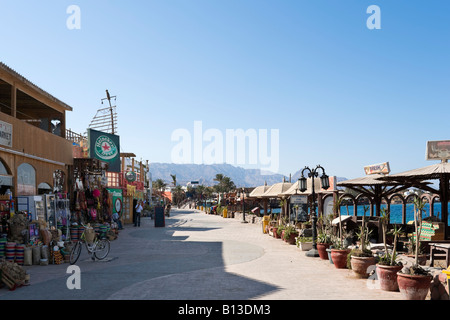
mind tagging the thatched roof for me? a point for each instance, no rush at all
(294, 188)
(435, 171)
(276, 189)
(259, 191)
(369, 180)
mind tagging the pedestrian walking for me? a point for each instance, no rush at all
(137, 221)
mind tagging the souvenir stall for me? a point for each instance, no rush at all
(92, 202)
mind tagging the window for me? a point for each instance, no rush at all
(26, 180)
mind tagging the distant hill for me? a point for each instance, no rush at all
(205, 174)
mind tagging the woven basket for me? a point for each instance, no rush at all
(89, 234)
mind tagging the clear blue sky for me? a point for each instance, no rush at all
(341, 95)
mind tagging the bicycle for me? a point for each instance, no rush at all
(98, 249)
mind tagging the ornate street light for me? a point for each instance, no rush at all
(302, 187)
(243, 206)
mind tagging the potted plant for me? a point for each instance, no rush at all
(339, 252)
(324, 240)
(387, 266)
(279, 231)
(304, 243)
(361, 259)
(273, 226)
(414, 282)
(290, 233)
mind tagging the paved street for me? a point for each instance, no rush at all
(199, 257)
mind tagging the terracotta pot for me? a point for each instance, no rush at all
(291, 239)
(413, 287)
(275, 234)
(387, 277)
(361, 266)
(322, 249)
(339, 258)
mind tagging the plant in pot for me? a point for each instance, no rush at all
(414, 281)
(324, 240)
(304, 243)
(388, 266)
(290, 233)
(280, 230)
(339, 252)
(273, 226)
(361, 259)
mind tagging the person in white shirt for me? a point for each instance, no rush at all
(137, 220)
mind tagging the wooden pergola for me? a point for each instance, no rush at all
(375, 189)
(441, 172)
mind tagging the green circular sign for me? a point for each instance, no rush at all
(130, 176)
(105, 148)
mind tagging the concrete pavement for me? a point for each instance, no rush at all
(199, 257)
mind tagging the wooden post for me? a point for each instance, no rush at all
(444, 186)
(13, 101)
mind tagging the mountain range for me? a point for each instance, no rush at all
(205, 174)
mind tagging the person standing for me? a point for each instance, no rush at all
(137, 221)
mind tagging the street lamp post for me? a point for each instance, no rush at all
(313, 173)
(243, 206)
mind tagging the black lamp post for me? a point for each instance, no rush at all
(302, 187)
(243, 206)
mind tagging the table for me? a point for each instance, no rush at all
(439, 247)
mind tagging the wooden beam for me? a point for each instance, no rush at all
(13, 101)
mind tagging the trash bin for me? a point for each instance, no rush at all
(266, 220)
(160, 220)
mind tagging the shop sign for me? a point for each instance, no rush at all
(382, 168)
(130, 176)
(6, 131)
(298, 199)
(299, 208)
(116, 195)
(105, 147)
(438, 150)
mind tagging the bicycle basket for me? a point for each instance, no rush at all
(89, 234)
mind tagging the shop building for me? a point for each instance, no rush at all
(35, 155)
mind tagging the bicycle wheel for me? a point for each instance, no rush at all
(75, 253)
(101, 249)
